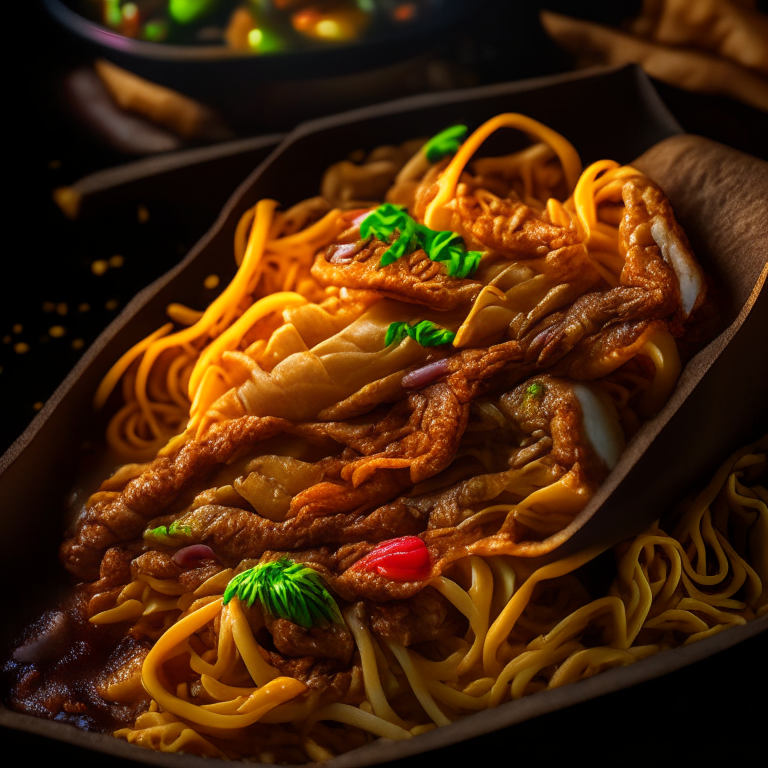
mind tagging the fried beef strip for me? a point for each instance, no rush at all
(658, 268)
(113, 516)
(329, 642)
(505, 225)
(422, 618)
(414, 277)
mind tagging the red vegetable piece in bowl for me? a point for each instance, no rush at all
(403, 559)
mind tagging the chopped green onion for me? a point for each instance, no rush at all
(286, 590)
(113, 16)
(425, 333)
(449, 247)
(386, 221)
(445, 143)
(155, 31)
(169, 536)
(536, 389)
(390, 220)
(187, 11)
(261, 40)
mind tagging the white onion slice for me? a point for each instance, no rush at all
(601, 424)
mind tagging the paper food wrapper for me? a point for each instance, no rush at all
(720, 197)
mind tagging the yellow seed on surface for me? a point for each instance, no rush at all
(116, 261)
(57, 331)
(111, 304)
(211, 282)
(48, 306)
(99, 267)
(142, 214)
(77, 343)
(21, 347)
(17, 328)
(7, 338)
(54, 164)
(37, 406)
(83, 307)
(61, 308)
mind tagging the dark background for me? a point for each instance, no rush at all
(709, 709)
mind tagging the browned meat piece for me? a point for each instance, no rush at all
(119, 516)
(328, 498)
(194, 577)
(235, 534)
(597, 356)
(508, 226)
(159, 565)
(327, 677)
(330, 642)
(425, 616)
(437, 421)
(420, 434)
(505, 225)
(471, 369)
(368, 434)
(114, 570)
(660, 278)
(121, 681)
(571, 418)
(414, 278)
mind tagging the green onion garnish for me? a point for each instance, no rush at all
(445, 143)
(425, 333)
(287, 590)
(534, 390)
(169, 536)
(186, 11)
(390, 220)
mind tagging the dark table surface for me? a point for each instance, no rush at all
(55, 302)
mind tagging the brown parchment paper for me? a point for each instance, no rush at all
(720, 196)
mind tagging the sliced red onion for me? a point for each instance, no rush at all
(343, 253)
(426, 374)
(186, 557)
(358, 220)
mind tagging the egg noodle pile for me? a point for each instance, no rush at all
(212, 689)
(171, 378)
(527, 632)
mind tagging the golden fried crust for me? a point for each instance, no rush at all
(509, 227)
(414, 278)
(121, 516)
(505, 225)
(236, 534)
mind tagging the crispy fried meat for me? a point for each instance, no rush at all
(424, 617)
(113, 516)
(505, 225)
(414, 278)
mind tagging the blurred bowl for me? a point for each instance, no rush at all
(275, 90)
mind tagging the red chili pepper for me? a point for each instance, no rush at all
(403, 559)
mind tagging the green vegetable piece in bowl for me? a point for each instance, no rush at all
(188, 11)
